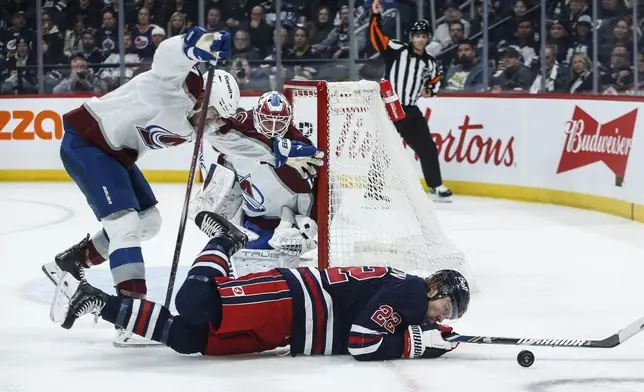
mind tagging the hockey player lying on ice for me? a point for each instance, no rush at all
(372, 313)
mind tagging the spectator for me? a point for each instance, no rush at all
(619, 75)
(88, 10)
(556, 74)
(621, 34)
(560, 37)
(515, 76)
(130, 10)
(74, 40)
(336, 44)
(110, 77)
(285, 43)
(142, 35)
(18, 29)
(177, 24)
(20, 80)
(581, 75)
(467, 75)
(577, 9)
(246, 77)
(449, 53)
(89, 50)
(237, 11)
(243, 48)
(583, 38)
(292, 11)
(52, 40)
(187, 8)
(301, 47)
(612, 10)
(260, 32)
(57, 9)
(525, 40)
(476, 22)
(156, 12)
(214, 20)
(158, 36)
(323, 25)
(452, 14)
(80, 79)
(107, 36)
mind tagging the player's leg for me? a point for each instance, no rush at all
(149, 214)
(138, 316)
(415, 132)
(106, 185)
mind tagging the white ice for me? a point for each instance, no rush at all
(543, 270)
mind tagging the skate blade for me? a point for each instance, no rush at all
(132, 343)
(437, 199)
(65, 288)
(52, 272)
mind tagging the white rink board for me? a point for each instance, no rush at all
(509, 141)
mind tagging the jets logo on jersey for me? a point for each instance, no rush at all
(253, 198)
(156, 137)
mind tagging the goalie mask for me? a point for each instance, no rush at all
(224, 96)
(273, 114)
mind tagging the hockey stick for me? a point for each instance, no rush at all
(191, 176)
(612, 341)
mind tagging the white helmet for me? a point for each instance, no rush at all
(273, 114)
(224, 96)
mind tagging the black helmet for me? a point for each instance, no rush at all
(453, 284)
(422, 26)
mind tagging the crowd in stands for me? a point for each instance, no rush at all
(80, 42)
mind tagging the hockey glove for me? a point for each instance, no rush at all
(206, 47)
(300, 156)
(427, 341)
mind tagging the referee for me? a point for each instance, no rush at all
(413, 73)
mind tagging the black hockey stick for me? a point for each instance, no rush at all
(610, 342)
(191, 176)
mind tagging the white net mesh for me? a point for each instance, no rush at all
(378, 213)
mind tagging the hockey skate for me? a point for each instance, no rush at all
(67, 261)
(441, 194)
(214, 225)
(86, 300)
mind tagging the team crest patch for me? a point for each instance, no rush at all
(156, 137)
(253, 197)
(237, 291)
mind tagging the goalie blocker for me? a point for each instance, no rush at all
(372, 313)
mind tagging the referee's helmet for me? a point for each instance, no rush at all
(420, 27)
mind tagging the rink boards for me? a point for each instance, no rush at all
(584, 152)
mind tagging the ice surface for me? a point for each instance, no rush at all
(544, 271)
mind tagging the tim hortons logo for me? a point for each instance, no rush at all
(462, 146)
(588, 141)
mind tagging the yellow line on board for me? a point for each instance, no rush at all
(61, 175)
(512, 192)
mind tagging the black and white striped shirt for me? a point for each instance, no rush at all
(407, 71)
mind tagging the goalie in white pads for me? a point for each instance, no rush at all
(275, 204)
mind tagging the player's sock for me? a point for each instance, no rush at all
(141, 317)
(97, 250)
(214, 259)
(128, 272)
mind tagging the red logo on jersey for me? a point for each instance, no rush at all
(156, 137)
(237, 291)
(588, 141)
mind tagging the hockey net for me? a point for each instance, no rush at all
(371, 207)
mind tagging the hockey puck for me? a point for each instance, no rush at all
(525, 358)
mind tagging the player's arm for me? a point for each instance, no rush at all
(432, 80)
(175, 57)
(388, 328)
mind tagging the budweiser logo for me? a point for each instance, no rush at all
(588, 141)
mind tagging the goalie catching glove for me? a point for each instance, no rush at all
(300, 156)
(295, 235)
(427, 341)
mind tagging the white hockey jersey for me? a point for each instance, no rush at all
(265, 189)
